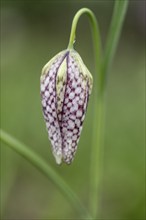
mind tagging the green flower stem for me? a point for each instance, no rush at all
(95, 33)
(99, 108)
(46, 169)
(96, 161)
(102, 67)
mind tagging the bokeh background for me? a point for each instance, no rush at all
(32, 32)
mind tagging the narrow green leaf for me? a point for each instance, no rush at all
(45, 169)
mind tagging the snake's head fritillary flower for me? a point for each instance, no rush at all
(66, 84)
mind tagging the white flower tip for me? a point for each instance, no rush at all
(58, 157)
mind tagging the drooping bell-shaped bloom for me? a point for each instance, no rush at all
(66, 84)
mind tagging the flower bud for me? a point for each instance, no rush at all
(66, 84)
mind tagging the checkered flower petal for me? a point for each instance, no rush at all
(66, 85)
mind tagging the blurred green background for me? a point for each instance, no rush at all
(32, 32)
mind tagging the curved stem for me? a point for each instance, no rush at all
(95, 33)
(97, 107)
(46, 169)
(99, 91)
(98, 131)
(94, 166)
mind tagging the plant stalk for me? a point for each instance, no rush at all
(97, 108)
(97, 152)
(95, 33)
